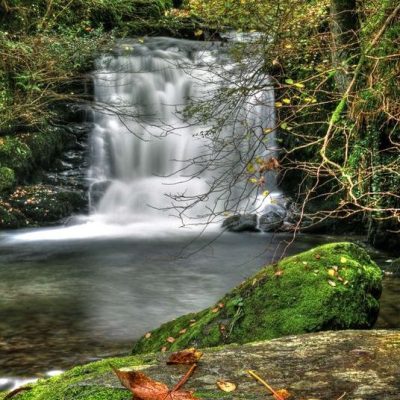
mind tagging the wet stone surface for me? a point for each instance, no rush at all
(363, 364)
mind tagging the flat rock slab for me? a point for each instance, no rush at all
(357, 365)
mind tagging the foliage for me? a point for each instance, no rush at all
(337, 103)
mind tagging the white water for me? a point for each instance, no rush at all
(144, 150)
(142, 175)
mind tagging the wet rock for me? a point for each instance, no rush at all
(97, 190)
(241, 223)
(44, 204)
(334, 286)
(272, 218)
(362, 364)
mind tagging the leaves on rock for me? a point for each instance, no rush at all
(187, 356)
(226, 386)
(145, 388)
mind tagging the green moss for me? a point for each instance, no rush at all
(295, 296)
(15, 154)
(43, 146)
(7, 178)
(67, 386)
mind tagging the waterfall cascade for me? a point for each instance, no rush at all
(144, 152)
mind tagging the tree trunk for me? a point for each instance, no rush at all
(344, 29)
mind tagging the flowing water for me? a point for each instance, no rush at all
(73, 294)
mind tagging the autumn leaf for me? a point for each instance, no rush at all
(171, 339)
(332, 283)
(147, 335)
(187, 356)
(145, 388)
(226, 386)
(269, 165)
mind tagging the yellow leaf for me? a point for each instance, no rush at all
(343, 260)
(278, 104)
(253, 180)
(299, 85)
(250, 168)
(267, 131)
(198, 32)
(265, 193)
(332, 272)
(332, 283)
(286, 101)
(226, 386)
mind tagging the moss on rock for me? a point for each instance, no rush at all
(7, 178)
(334, 286)
(43, 203)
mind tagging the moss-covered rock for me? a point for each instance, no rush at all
(41, 204)
(335, 286)
(7, 178)
(15, 154)
(319, 366)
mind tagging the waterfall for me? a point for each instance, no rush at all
(147, 158)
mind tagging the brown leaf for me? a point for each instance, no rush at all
(283, 394)
(269, 165)
(182, 331)
(187, 356)
(171, 339)
(163, 349)
(279, 272)
(215, 310)
(145, 388)
(147, 335)
(221, 305)
(226, 386)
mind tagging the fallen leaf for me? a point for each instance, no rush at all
(192, 321)
(317, 256)
(276, 395)
(226, 386)
(221, 305)
(145, 388)
(331, 272)
(182, 331)
(215, 310)
(283, 394)
(147, 335)
(332, 283)
(187, 356)
(171, 339)
(279, 272)
(335, 267)
(163, 349)
(343, 260)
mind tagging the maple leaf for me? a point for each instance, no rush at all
(145, 388)
(187, 356)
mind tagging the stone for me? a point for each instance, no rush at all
(272, 218)
(331, 287)
(325, 365)
(241, 223)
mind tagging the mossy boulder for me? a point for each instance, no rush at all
(15, 154)
(331, 287)
(7, 178)
(315, 366)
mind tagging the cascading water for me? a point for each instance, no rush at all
(143, 149)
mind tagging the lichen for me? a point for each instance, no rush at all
(335, 286)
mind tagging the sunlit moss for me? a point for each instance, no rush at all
(300, 294)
